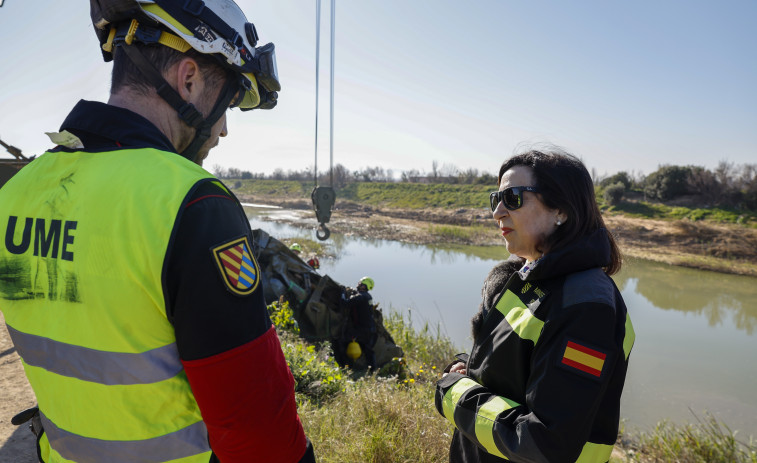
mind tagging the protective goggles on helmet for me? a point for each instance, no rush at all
(511, 197)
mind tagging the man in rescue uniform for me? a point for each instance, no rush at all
(363, 326)
(130, 286)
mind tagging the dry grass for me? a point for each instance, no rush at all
(378, 421)
(705, 441)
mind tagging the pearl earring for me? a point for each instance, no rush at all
(558, 223)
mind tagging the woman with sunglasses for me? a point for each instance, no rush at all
(552, 336)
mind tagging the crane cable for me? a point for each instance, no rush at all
(324, 197)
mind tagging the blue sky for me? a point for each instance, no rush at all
(624, 85)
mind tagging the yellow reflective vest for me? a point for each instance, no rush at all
(85, 237)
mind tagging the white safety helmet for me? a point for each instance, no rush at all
(213, 27)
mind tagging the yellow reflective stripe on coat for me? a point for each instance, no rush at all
(522, 321)
(595, 453)
(630, 337)
(452, 397)
(486, 417)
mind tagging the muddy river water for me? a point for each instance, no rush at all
(696, 347)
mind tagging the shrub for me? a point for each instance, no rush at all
(620, 177)
(316, 374)
(667, 182)
(706, 441)
(282, 317)
(614, 193)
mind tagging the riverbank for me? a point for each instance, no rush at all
(350, 416)
(725, 248)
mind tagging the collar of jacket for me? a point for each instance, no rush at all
(103, 127)
(587, 252)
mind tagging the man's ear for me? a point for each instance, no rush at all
(188, 79)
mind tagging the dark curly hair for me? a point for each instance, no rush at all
(565, 184)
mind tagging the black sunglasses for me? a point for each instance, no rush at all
(511, 197)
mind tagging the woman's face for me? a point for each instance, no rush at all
(525, 228)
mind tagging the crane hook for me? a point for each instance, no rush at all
(323, 233)
(323, 200)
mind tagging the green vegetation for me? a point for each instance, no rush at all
(704, 442)
(402, 195)
(458, 233)
(614, 193)
(649, 210)
(426, 350)
(352, 416)
(446, 196)
(281, 189)
(418, 195)
(378, 420)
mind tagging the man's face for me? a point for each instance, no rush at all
(218, 130)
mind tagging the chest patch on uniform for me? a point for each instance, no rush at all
(239, 270)
(584, 359)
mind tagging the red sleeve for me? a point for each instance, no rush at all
(246, 397)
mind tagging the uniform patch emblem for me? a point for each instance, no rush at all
(583, 358)
(239, 270)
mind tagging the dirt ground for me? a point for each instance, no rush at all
(17, 443)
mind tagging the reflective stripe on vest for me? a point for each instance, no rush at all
(522, 321)
(186, 442)
(95, 365)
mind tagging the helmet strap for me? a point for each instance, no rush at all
(230, 89)
(186, 111)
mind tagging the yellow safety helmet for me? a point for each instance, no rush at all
(295, 247)
(367, 281)
(353, 350)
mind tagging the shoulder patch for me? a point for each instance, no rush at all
(239, 269)
(581, 359)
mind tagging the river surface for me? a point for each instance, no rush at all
(695, 351)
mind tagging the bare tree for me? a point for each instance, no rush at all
(218, 171)
(725, 173)
(468, 176)
(449, 170)
(341, 176)
(410, 175)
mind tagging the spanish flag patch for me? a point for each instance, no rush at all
(583, 358)
(239, 270)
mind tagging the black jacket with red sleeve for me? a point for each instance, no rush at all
(226, 342)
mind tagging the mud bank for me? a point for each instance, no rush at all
(702, 245)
